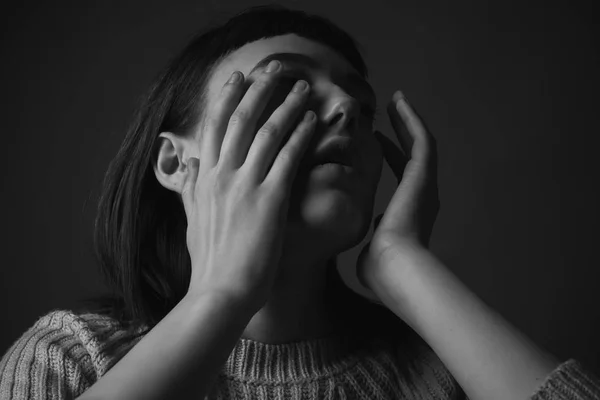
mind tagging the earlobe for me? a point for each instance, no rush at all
(169, 167)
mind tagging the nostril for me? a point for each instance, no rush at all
(336, 119)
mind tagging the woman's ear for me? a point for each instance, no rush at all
(170, 161)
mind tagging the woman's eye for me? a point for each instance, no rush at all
(287, 82)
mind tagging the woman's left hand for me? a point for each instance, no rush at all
(410, 215)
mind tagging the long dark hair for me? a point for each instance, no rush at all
(140, 227)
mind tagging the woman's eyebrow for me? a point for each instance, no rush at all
(303, 59)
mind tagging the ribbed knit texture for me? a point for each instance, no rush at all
(64, 354)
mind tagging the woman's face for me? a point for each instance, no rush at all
(323, 201)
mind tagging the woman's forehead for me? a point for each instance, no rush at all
(246, 57)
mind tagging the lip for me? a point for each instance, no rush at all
(350, 170)
(344, 144)
(335, 172)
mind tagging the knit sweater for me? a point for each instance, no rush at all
(63, 354)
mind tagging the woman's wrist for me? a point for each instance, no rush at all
(239, 308)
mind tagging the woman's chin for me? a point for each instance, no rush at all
(332, 213)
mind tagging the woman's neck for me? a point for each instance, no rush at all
(299, 308)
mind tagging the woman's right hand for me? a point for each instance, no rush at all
(236, 206)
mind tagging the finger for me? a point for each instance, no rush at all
(217, 118)
(401, 99)
(286, 163)
(394, 156)
(425, 152)
(400, 130)
(187, 192)
(242, 124)
(419, 137)
(267, 142)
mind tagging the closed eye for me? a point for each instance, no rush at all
(365, 109)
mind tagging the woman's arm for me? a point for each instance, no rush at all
(180, 357)
(489, 358)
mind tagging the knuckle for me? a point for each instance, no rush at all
(268, 129)
(211, 121)
(219, 183)
(185, 190)
(285, 154)
(239, 116)
(262, 82)
(217, 174)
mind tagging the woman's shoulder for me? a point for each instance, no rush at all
(105, 338)
(76, 323)
(92, 330)
(61, 327)
(76, 348)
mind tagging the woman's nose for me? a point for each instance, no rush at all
(344, 113)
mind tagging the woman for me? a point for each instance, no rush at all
(218, 229)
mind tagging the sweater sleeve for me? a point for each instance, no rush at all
(569, 381)
(49, 361)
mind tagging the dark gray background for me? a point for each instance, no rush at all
(509, 92)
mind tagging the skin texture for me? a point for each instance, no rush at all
(326, 216)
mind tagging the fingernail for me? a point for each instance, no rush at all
(399, 96)
(235, 77)
(299, 86)
(273, 66)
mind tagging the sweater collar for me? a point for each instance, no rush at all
(251, 360)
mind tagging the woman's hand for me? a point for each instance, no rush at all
(410, 216)
(236, 203)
